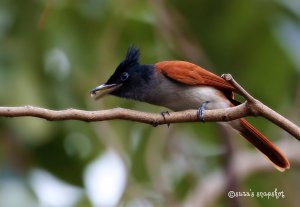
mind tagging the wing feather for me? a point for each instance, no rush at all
(191, 74)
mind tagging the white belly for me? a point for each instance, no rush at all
(192, 97)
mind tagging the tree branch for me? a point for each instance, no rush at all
(251, 107)
(124, 114)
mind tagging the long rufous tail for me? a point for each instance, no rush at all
(263, 144)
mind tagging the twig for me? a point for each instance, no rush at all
(239, 89)
(251, 107)
(257, 108)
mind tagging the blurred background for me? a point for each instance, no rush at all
(52, 52)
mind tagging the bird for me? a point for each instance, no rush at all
(181, 85)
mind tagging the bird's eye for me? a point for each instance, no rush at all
(124, 76)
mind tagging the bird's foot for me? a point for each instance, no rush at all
(200, 111)
(163, 114)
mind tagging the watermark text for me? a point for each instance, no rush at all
(275, 194)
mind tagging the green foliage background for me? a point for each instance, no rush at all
(53, 52)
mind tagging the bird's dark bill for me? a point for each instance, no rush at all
(103, 90)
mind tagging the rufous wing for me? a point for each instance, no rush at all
(191, 74)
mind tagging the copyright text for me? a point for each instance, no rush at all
(275, 194)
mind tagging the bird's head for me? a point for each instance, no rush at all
(129, 78)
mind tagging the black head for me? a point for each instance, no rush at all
(129, 79)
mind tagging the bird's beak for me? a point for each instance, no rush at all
(103, 90)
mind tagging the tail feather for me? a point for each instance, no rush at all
(263, 144)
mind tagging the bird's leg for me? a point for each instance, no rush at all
(163, 113)
(200, 111)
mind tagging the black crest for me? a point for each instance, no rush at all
(132, 56)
